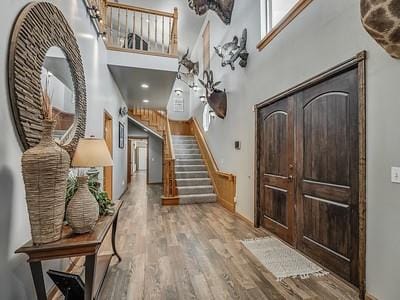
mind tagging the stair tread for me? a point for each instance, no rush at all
(198, 195)
(195, 187)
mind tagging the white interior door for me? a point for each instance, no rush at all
(142, 163)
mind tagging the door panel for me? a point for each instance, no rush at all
(327, 173)
(276, 167)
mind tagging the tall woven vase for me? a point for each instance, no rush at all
(45, 169)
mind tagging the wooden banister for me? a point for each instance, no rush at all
(140, 30)
(170, 191)
(224, 183)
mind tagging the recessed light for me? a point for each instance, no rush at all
(145, 86)
(146, 101)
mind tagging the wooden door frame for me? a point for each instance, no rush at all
(143, 138)
(357, 62)
(108, 116)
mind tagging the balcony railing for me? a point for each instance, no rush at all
(140, 30)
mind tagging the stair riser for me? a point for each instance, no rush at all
(183, 142)
(187, 156)
(195, 190)
(187, 151)
(190, 168)
(197, 200)
(189, 162)
(183, 138)
(192, 175)
(186, 146)
(197, 182)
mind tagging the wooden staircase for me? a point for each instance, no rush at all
(155, 120)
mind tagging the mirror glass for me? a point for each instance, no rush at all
(57, 80)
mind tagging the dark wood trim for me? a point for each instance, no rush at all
(286, 20)
(359, 62)
(362, 196)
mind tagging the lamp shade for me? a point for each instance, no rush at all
(92, 152)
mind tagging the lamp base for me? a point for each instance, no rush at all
(83, 209)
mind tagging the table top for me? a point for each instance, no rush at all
(72, 244)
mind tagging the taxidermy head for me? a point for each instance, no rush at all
(223, 8)
(216, 98)
(191, 67)
(381, 19)
(232, 51)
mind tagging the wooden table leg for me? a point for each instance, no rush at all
(37, 275)
(113, 233)
(90, 271)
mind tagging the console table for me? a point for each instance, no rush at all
(73, 245)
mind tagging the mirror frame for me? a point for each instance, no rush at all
(38, 27)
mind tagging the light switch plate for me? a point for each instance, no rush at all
(396, 174)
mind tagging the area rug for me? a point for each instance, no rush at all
(281, 260)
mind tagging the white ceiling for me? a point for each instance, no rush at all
(129, 81)
(189, 24)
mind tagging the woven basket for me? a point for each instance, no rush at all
(45, 169)
(83, 209)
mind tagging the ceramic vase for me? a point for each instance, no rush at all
(45, 170)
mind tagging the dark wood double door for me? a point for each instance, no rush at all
(308, 172)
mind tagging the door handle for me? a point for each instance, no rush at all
(290, 177)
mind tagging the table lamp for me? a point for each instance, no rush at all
(83, 209)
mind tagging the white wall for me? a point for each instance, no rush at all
(323, 35)
(102, 94)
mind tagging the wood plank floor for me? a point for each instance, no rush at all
(193, 252)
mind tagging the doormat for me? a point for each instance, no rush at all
(281, 260)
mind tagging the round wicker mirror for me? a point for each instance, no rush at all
(39, 27)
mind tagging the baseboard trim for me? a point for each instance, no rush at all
(244, 219)
(123, 193)
(168, 201)
(227, 204)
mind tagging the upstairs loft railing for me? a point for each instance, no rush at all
(140, 30)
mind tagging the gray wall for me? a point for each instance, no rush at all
(155, 152)
(102, 94)
(323, 35)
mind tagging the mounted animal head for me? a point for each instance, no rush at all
(232, 51)
(217, 99)
(192, 67)
(223, 8)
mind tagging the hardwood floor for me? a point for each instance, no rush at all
(193, 252)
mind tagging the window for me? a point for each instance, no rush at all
(178, 104)
(276, 15)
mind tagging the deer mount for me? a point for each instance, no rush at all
(191, 70)
(217, 99)
(223, 8)
(232, 51)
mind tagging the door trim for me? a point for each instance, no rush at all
(359, 62)
(108, 117)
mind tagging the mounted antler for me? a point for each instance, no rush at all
(216, 98)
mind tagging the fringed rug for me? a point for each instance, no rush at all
(281, 260)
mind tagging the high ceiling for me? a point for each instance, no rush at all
(189, 24)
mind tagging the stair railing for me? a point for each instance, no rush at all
(169, 179)
(141, 30)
